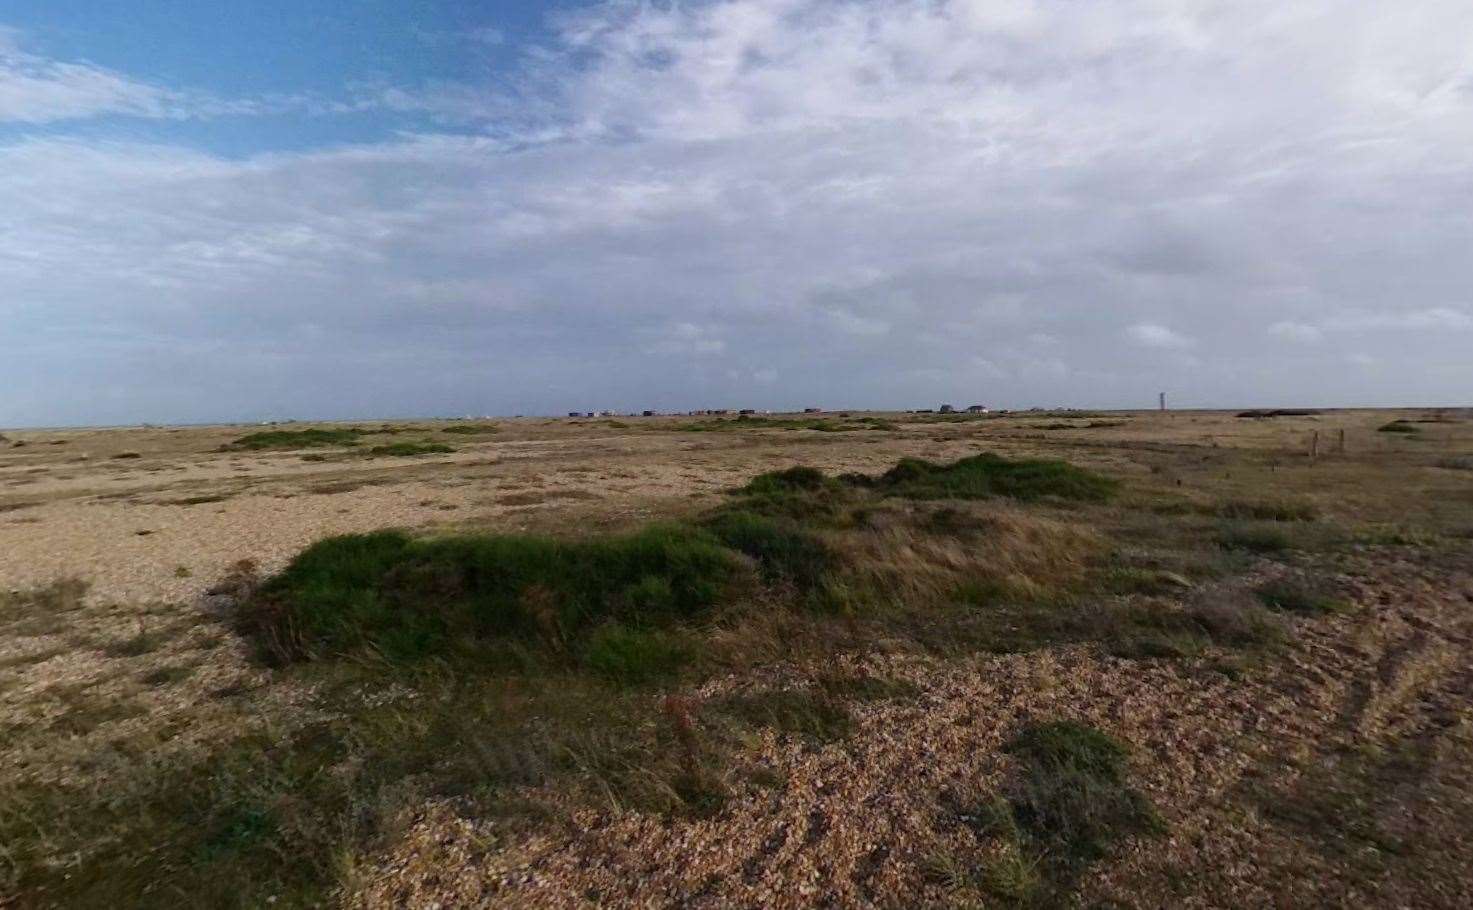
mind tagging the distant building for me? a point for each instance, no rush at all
(976, 409)
(813, 410)
(747, 411)
(947, 409)
(647, 414)
(575, 414)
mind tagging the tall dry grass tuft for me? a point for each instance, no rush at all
(897, 560)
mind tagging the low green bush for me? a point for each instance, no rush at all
(298, 439)
(784, 549)
(986, 475)
(406, 598)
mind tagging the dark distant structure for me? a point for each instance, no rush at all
(813, 410)
(976, 409)
(647, 414)
(946, 409)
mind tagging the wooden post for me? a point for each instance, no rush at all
(1314, 445)
(1340, 442)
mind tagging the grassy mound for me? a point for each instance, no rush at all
(298, 439)
(747, 422)
(1398, 426)
(405, 598)
(472, 429)
(987, 475)
(784, 549)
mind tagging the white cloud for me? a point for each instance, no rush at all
(684, 338)
(34, 89)
(1153, 335)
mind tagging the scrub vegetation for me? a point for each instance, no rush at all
(691, 664)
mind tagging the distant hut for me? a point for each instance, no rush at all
(813, 410)
(575, 413)
(747, 411)
(647, 414)
(976, 409)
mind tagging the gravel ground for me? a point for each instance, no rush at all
(852, 824)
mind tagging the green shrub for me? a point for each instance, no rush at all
(471, 429)
(797, 478)
(1072, 800)
(987, 475)
(799, 494)
(406, 598)
(785, 551)
(298, 439)
(1398, 426)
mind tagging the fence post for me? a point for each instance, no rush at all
(1314, 445)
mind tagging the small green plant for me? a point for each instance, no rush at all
(472, 429)
(1071, 801)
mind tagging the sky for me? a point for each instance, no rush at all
(356, 208)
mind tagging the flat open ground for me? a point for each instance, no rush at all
(1283, 647)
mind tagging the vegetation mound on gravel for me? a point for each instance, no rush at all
(298, 439)
(986, 475)
(405, 598)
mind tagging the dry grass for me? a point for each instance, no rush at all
(146, 756)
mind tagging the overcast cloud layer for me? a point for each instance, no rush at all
(772, 203)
